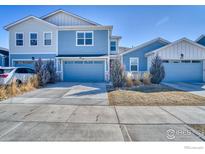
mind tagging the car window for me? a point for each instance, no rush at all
(2, 71)
(30, 71)
(21, 70)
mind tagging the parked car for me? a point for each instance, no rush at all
(18, 74)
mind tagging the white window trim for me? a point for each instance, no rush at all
(76, 36)
(30, 39)
(137, 64)
(16, 38)
(115, 45)
(44, 39)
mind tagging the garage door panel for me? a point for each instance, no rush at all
(89, 71)
(183, 72)
(29, 64)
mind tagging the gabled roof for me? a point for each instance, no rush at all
(25, 19)
(175, 42)
(116, 37)
(123, 49)
(199, 38)
(145, 44)
(70, 14)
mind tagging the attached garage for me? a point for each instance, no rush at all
(84, 71)
(183, 71)
(24, 63)
(183, 60)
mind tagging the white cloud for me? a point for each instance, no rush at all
(162, 21)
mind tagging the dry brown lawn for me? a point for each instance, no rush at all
(153, 95)
(199, 127)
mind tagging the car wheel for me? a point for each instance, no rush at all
(18, 82)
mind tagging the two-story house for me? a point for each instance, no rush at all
(81, 48)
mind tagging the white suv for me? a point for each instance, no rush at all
(18, 74)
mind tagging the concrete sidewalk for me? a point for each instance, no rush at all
(194, 88)
(46, 122)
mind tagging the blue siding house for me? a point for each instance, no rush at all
(80, 48)
(136, 56)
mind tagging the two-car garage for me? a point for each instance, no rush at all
(183, 71)
(183, 61)
(84, 71)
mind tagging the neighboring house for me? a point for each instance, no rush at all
(183, 60)
(134, 59)
(81, 48)
(4, 57)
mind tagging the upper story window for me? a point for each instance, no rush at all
(113, 46)
(47, 38)
(134, 64)
(33, 39)
(19, 39)
(84, 38)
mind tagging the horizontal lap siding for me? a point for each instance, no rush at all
(67, 43)
(140, 53)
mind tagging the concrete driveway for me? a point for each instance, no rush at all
(79, 112)
(66, 93)
(194, 88)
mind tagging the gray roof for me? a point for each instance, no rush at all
(123, 49)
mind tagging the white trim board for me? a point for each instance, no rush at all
(137, 64)
(25, 19)
(61, 28)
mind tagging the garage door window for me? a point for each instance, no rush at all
(196, 61)
(186, 61)
(23, 62)
(134, 64)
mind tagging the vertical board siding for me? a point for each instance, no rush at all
(62, 19)
(189, 50)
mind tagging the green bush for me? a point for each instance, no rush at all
(157, 70)
(117, 73)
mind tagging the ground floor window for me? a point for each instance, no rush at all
(134, 64)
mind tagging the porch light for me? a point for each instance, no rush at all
(181, 56)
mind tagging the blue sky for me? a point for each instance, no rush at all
(136, 24)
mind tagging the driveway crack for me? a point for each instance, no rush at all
(8, 131)
(123, 128)
(172, 115)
